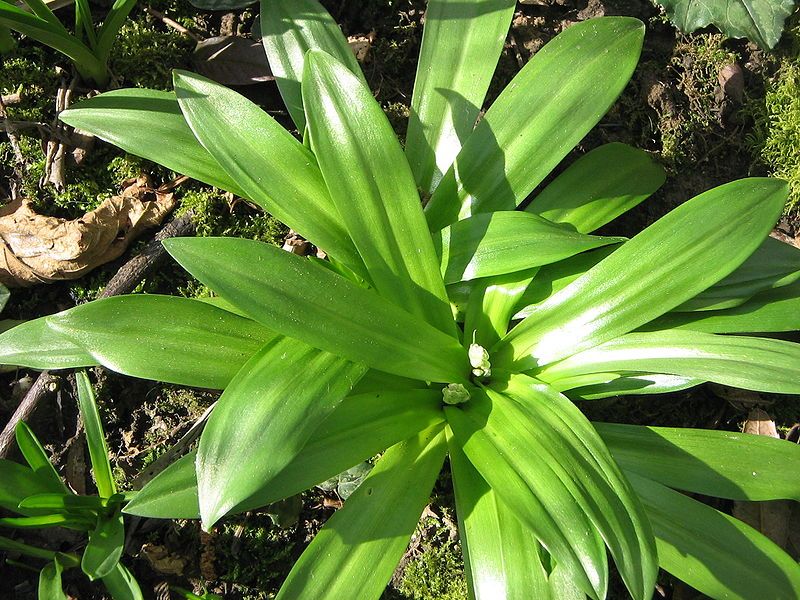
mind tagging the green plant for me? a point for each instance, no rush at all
(327, 363)
(88, 48)
(38, 494)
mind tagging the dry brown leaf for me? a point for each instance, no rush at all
(39, 249)
(163, 561)
(772, 518)
(232, 60)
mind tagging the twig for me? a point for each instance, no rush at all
(174, 24)
(45, 384)
(126, 279)
(133, 271)
(19, 166)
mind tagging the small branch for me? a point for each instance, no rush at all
(174, 24)
(11, 133)
(135, 270)
(126, 279)
(46, 384)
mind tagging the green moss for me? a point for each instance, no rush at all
(437, 571)
(145, 54)
(30, 69)
(685, 134)
(775, 141)
(215, 216)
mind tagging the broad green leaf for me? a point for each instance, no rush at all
(760, 21)
(751, 363)
(359, 428)
(556, 276)
(629, 384)
(599, 186)
(774, 264)
(275, 170)
(121, 584)
(95, 437)
(681, 254)
(289, 29)
(63, 502)
(562, 587)
(311, 303)
(507, 241)
(372, 185)
(502, 442)
(270, 410)
(360, 545)
(714, 553)
(501, 555)
(613, 507)
(18, 482)
(149, 123)
(104, 549)
(164, 338)
(50, 582)
(461, 43)
(36, 456)
(774, 310)
(35, 344)
(725, 464)
(544, 112)
(491, 306)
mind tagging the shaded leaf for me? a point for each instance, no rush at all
(104, 549)
(716, 554)
(50, 582)
(36, 456)
(599, 186)
(231, 60)
(724, 464)
(122, 585)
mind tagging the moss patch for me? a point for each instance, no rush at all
(775, 140)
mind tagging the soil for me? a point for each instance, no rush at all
(686, 103)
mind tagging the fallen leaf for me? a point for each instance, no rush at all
(232, 60)
(771, 517)
(163, 561)
(39, 249)
(361, 45)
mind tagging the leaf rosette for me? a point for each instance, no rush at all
(470, 328)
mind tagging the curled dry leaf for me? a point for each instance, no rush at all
(39, 249)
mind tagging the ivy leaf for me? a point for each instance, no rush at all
(760, 21)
